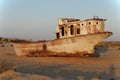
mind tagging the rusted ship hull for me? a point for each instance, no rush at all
(75, 46)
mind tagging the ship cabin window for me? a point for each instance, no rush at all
(96, 22)
(63, 31)
(78, 31)
(57, 35)
(71, 30)
(82, 24)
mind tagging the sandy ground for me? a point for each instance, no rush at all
(107, 66)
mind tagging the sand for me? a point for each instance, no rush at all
(106, 67)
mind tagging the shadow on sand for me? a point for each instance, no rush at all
(64, 73)
(100, 49)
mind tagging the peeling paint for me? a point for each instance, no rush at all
(73, 38)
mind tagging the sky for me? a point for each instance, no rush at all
(37, 19)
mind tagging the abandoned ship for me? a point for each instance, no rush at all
(74, 37)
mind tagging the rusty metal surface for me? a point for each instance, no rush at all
(88, 26)
(69, 42)
(73, 46)
(57, 54)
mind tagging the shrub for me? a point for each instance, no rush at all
(119, 48)
(5, 66)
(11, 45)
(2, 45)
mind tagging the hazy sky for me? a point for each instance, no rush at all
(37, 19)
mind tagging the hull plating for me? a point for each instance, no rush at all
(74, 46)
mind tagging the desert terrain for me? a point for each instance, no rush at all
(104, 67)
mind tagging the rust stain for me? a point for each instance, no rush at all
(74, 37)
(56, 54)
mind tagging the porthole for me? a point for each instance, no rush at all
(82, 24)
(96, 22)
(89, 23)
